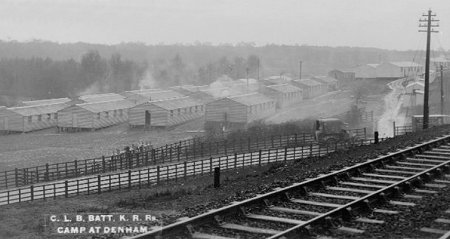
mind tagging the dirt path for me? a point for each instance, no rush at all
(393, 102)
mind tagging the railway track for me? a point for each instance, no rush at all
(320, 205)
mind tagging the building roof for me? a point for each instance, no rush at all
(285, 88)
(159, 95)
(439, 59)
(416, 83)
(101, 97)
(38, 109)
(103, 106)
(308, 82)
(251, 99)
(326, 79)
(374, 65)
(177, 103)
(405, 64)
(45, 101)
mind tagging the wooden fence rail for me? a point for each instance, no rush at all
(154, 175)
(185, 150)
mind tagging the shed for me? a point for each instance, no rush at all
(399, 69)
(95, 115)
(344, 77)
(285, 94)
(239, 110)
(165, 113)
(311, 88)
(101, 97)
(31, 118)
(332, 83)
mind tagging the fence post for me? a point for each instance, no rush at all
(16, 171)
(210, 165)
(157, 174)
(76, 167)
(99, 184)
(259, 157)
(129, 178)
(235, 160)
(32, 192)
(185, 169)
(66, 189)
(376, 137)
(311, 150)
(153, 156)
(47, 173)
(103, 164)
(285, 153)
(178, 153)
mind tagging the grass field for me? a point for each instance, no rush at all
(48, 146)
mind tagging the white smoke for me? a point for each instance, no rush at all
(92, 89)
(148, 82)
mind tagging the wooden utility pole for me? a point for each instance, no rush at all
(442, 89)
(429, 30)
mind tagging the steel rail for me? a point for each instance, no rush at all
(235, 207)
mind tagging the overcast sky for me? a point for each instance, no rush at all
(390, 24)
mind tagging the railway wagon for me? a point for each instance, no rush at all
(142, 96)
(284, 94)
(165, 113)
(238, 111)
(95, 115)
(311, 88)
(101, 97)
(30, 118)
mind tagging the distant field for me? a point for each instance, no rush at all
(48, 146)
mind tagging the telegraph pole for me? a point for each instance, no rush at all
(428, 24)
(442, 89)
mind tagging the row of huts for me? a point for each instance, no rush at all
(239, 104)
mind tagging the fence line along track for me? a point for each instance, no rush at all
(185, 150)
(154, 175)
(294, 210)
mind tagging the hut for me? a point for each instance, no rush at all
(332, 83)
(30, 118)
(238, 111)
(284, 94)
(94, 115)
(311, 88)
(142, 96)
(165, 113)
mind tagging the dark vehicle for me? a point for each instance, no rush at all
(331, 130)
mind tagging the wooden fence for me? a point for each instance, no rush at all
(154, 175)
(185, 150)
